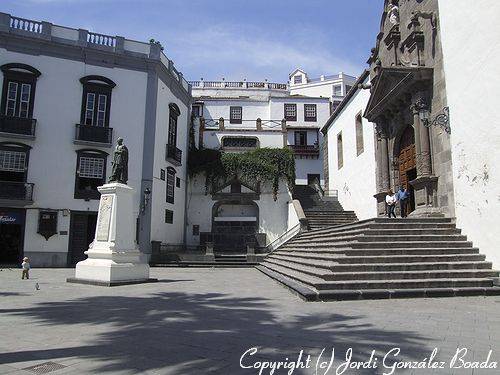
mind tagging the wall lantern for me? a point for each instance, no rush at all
(145, 199)
(442, 119)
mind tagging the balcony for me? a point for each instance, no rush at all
(16, 193)
(173, 155)
(17, 127)
(307, 151)
(93, 135)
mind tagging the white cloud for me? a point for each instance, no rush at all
(238, 54)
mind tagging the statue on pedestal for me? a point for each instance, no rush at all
(119, 172)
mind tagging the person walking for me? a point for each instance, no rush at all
(26, 268)
(403, 196)
(391, 199)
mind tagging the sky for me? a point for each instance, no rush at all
(231, 39)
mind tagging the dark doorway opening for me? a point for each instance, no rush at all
(82, 231)
(311, 178)
(11, 236)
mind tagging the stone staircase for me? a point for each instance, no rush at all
(382, 258)
(321, 213)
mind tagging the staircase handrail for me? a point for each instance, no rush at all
(289, 234)
(302, 226)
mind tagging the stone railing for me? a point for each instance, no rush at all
(84, 38)
(101, 39)
(238, 85)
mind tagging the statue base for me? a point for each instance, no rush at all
(113, 257)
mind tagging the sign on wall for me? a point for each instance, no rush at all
(47, 223)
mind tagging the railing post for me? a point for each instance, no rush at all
(120, 44)
(46, 30)
(82, 37)
(4, 22)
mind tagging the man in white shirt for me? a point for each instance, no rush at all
(391, 200)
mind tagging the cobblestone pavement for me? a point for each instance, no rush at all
(201, 321)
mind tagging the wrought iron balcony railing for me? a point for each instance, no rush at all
(97, 134)
(16, 191)
(311, 150)
(173, 153)
(17, 125)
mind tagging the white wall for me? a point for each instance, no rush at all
(355, 181)
(52, 162)
(172, 234)
(470, 38)
(273, 215)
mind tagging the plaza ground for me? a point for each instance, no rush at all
(201, 321)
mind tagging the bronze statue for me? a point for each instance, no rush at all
(119, 172)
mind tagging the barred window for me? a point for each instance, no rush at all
(90, 173)
(309, 112)
(12, 161)
(170, 185)
(290, 112)
(297, 79)
(235, 115)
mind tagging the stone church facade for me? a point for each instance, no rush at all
(407, 92)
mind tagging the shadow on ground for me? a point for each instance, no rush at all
(202, 333)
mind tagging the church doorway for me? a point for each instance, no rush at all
(407, 163)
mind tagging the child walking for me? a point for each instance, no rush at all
(26, 268)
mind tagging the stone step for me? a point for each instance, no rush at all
(328, 275)
(374, 236)
(387, 267)
(354, 244)
(374, 227)
(384, 252)
(319, 284)
(331, 264)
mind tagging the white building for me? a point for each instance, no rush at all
(68, 95)
(245, 115)
(350, 165)
(334, 87)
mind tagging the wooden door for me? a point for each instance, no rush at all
(406, 156)
(82, 230)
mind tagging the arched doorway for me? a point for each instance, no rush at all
(234, 225)
(407, 163)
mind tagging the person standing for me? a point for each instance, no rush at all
(402, 197)
(390, 200)
(26, 268)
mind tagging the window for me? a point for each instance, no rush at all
(334, 105)
(291, 112)
(174, 113)
(239, 142)
(96, 101)
(90, 173)
(13, 162)
(309, 112)
(18, 94)
(162, 174)
(169, 216)
(340, 151)
(359, 134)
(235, 115)
(297, 79)
(300, 138)
(177, 182)
(347, 89)
(170, 184)
(337, 90)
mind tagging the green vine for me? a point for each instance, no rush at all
(267, 165)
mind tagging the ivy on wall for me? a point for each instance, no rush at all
(266, 165)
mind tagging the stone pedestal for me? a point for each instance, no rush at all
(381, 205)
(113, 257)
(425, 188)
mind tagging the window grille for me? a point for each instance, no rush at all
(91, 167)
(12, 161)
